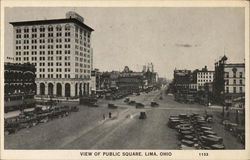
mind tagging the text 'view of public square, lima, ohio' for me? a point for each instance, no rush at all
(59, 92)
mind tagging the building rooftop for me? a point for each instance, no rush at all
(234, 65)
(52, 21)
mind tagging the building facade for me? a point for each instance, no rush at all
(229, 82)
(61, 51)
(19, 85)
(204, 76)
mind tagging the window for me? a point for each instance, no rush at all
(58, 28)
(234, 75)
(240, 81)
(34, 30)
(18, 30)
(234, 89)
(227, 90)
(240, 89)
(240, 74)
(234, 81)
(67, 34)
(42, 35)
(58, 34)
(26, 35)
(26, 30)
(50, 28)
(67, 27)
(50, 34)
(42, 29)
(18, 36)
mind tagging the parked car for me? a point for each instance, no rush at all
(154, 104)
(142, 115)
(74, 109)
(139, 105)
(132, 102)
(112, 106)
(126, 100)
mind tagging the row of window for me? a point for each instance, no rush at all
(204, 80)
(81, 65)
(81, 54)
(77, 30)
(43, 46)
(234, 74)
(234, 82)
(42, 29)
(42, 35)
(235, 90)
(82, 76)
(52, 76)
(205, 73)
(204, 76)
(82, 59)
(82, 70)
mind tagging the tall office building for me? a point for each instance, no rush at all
(61, 51)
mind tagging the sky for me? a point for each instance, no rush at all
(169, 37)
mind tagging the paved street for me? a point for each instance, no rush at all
(87, 129)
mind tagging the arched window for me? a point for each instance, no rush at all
(34, 29)
(50, 28)
(67, 27)
(58, 28)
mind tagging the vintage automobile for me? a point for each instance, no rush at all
(74, 109)
(209, 118)
(138, 93)
(142, 115)
(112, 106)
(205, 129)
(126, 100)
(89, 101)
(172, 123)
(11, 125)
(139, 105)
(208, 132)
(188, 145)
(181, 134)
(209, 141)
(219, 139)
(184, 125)
(154, 104)
(132, 102)
(185, 128)
(217, 146)
(183, 116)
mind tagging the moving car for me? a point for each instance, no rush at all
(139, 105)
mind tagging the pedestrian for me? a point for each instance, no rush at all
(110, 114)
(103, 116)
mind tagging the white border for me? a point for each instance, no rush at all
(176, 154)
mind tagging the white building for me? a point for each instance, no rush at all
(204, 76)
(61, 51)
(234, 77)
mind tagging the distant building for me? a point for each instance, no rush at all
(204, 76)
(182, 80)
(61, 51)
(229, 82)
(19, 85)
